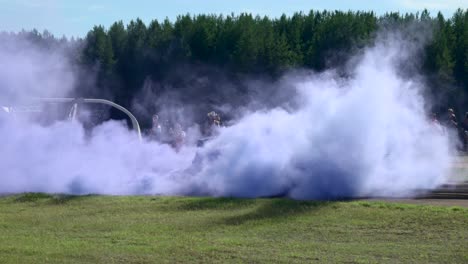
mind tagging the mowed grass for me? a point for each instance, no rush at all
(39, 228)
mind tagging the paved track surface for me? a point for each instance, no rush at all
(449, 191)
(436, 202)
(454, 194)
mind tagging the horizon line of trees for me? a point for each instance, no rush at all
(126, 56)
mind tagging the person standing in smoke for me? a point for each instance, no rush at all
(451, 119)
(451, 123)
(208, 129)
(178, 136)
(213, 121)
(458, 128)
(465, 130)
(156, 130)
(435, 122)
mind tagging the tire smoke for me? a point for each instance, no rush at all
(366, 134)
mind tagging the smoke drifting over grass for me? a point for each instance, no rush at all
(363, 135)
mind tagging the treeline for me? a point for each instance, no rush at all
(249, 44)
(238, 44)
(125, 56)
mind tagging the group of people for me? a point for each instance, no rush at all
(451, 121)
(174, 134)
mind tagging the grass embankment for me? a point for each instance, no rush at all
(36, 228)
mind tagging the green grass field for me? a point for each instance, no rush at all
(38, 228)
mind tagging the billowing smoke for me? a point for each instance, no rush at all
(29, 71)
(366, 134)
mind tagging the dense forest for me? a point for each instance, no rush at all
(165, 56)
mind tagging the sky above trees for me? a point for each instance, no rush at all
(75, 18)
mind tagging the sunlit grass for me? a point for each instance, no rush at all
(41, 228)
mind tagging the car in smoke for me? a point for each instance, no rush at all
(47, 110)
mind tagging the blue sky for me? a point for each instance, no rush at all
(77, 17)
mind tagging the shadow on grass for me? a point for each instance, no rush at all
(48, 198)
(32, 197)
(272, 209)
(241, 210)
(210, 203)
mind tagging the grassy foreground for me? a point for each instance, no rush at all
(38, 228)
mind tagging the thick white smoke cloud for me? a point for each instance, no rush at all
(29, 71)
(363, 135)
